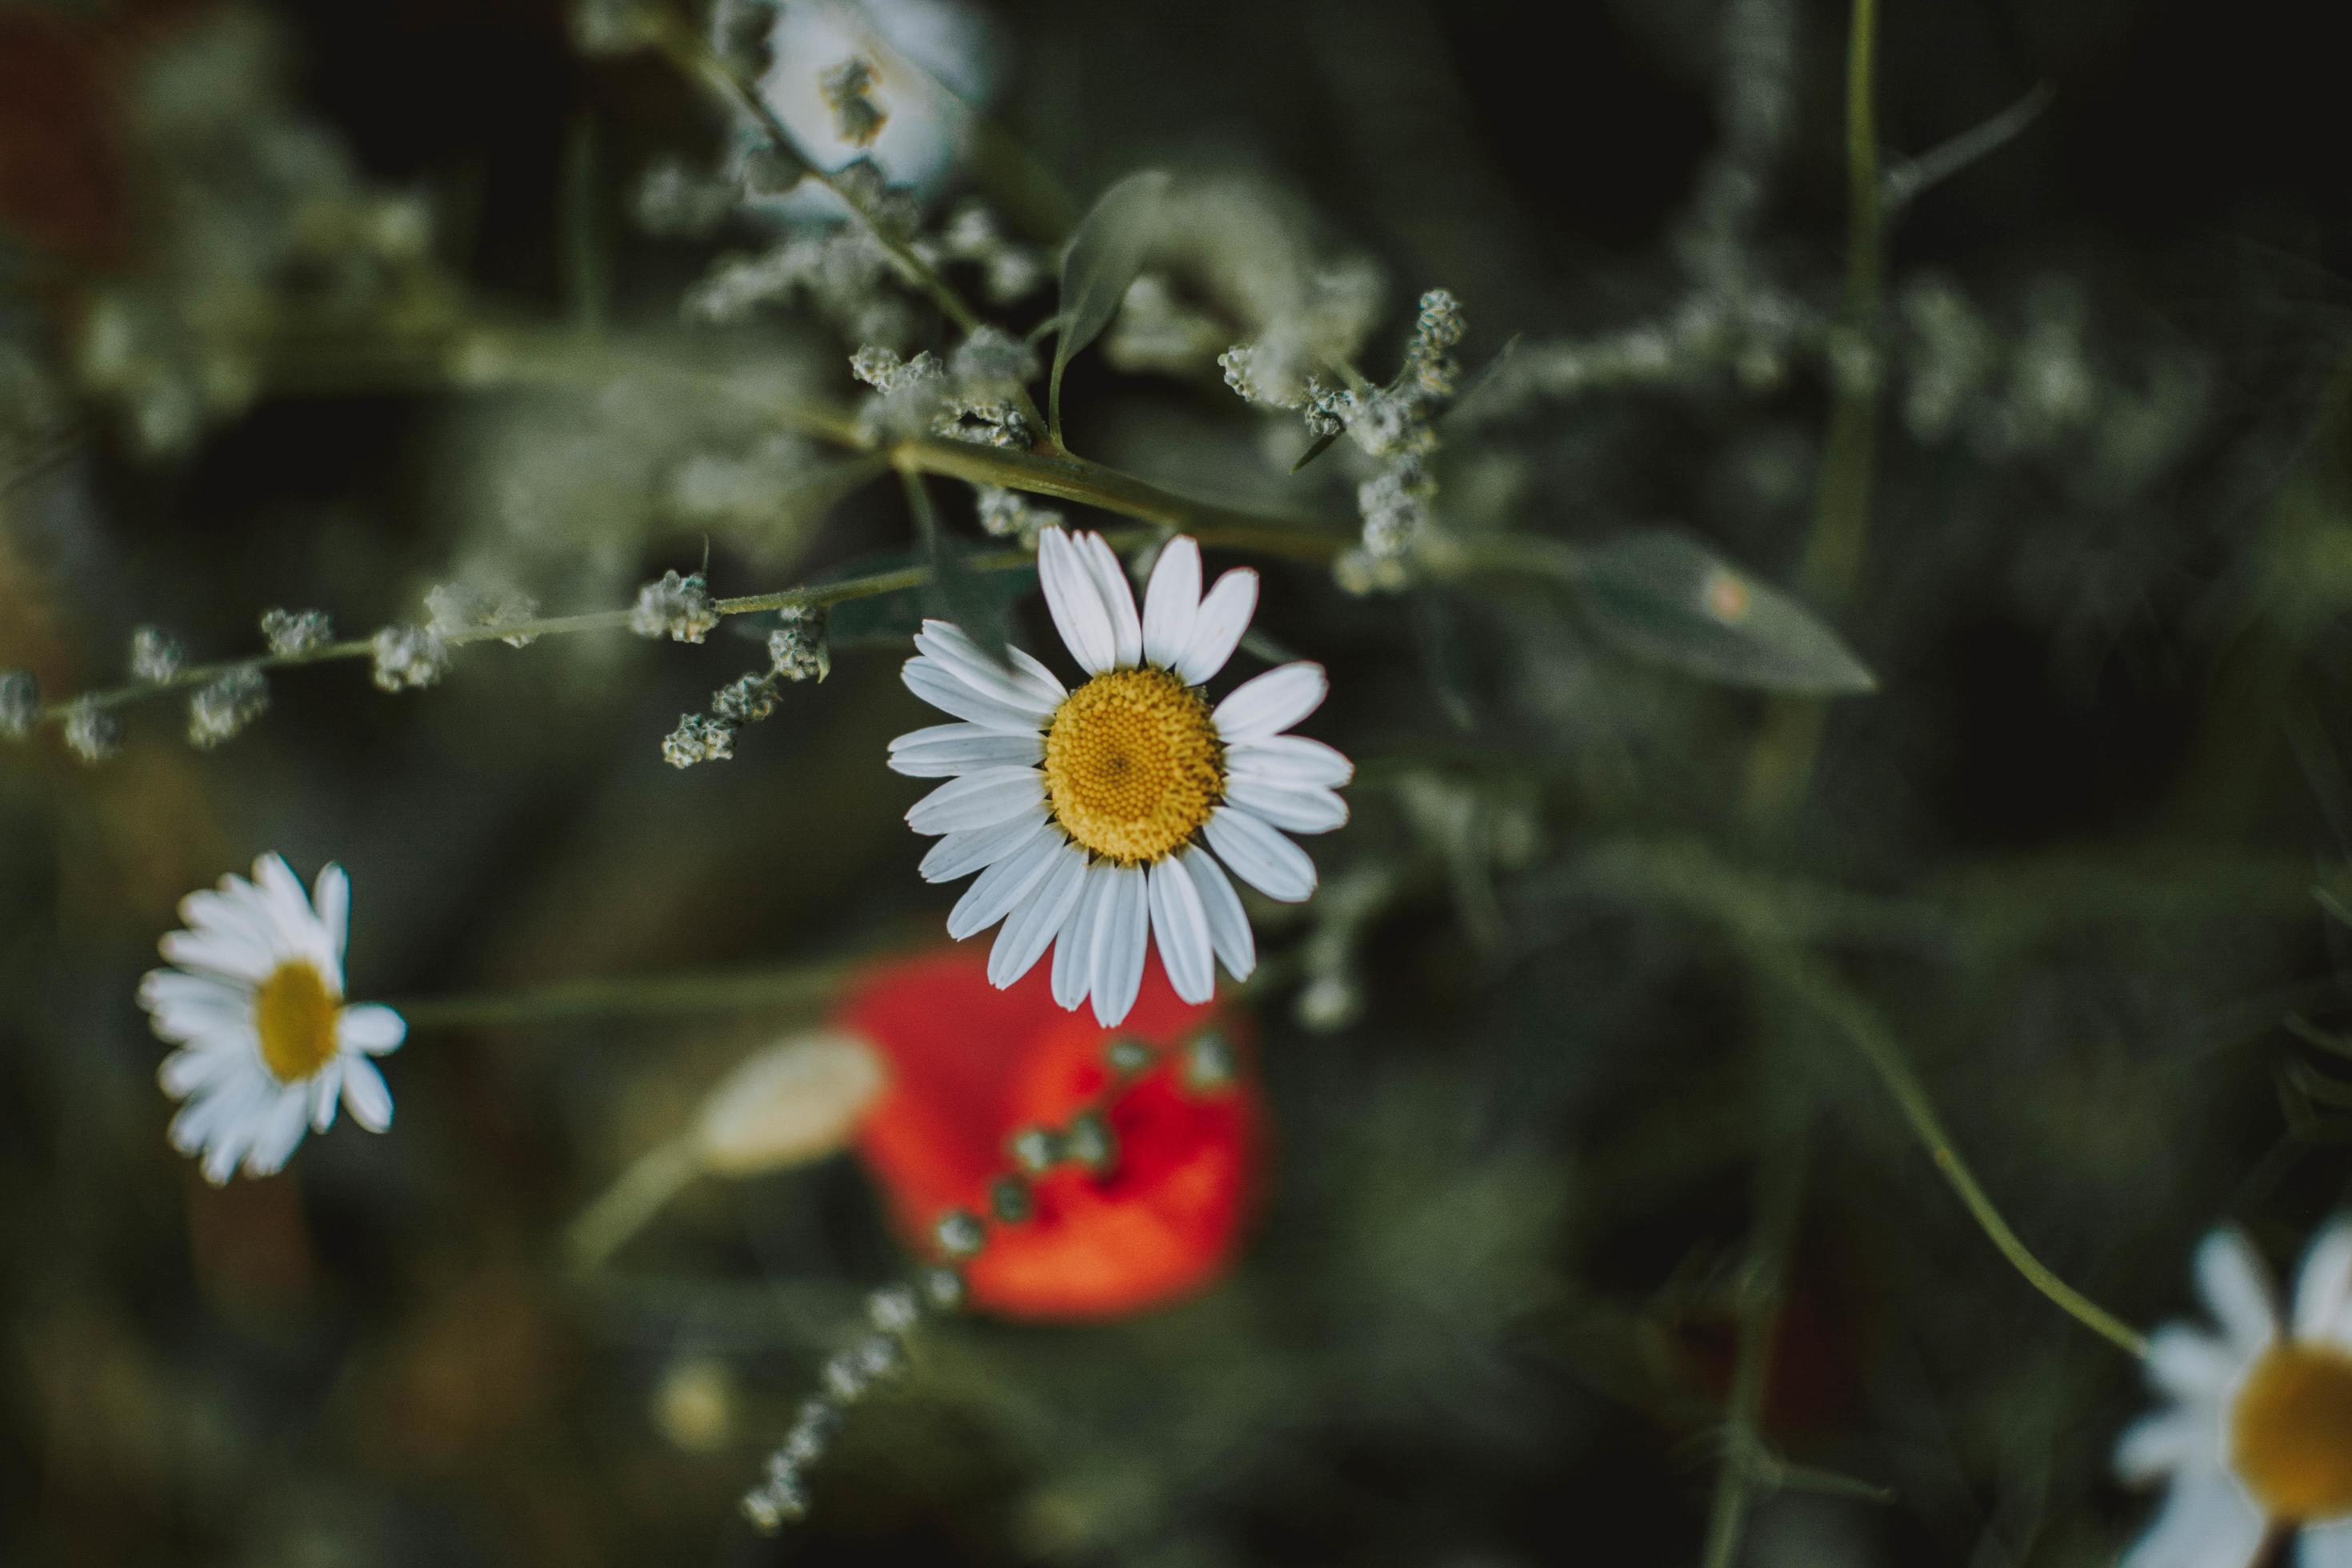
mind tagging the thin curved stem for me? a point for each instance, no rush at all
(654, 996)
(625, 1207)
(1860, 1024)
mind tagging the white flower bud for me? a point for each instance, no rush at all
(798, 1100)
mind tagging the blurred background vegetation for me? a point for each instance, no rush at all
(324, 304)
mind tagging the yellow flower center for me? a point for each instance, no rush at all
(1133, 765)
(294, 1013)
(2291, 1432)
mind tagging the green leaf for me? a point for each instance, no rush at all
(1105, 255)
(1666, 597)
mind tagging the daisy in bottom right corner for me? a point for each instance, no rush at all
(2254, 1444)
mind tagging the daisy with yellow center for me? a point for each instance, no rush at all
(2257, 1441)
(1104, 818)
(255, 1001)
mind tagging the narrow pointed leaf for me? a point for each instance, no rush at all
(1666, 597)
(1105, 255)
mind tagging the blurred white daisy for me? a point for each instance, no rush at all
(2257, 1440)
(1097, 817)
(927, 64)
(255, 1001)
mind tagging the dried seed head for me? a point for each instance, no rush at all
(156, 655)
(92, 733)
(698, 739)
(20, 703)
(677, 607)
(296, 631)
(797, 647)
(221, 708)
(746, 699)
(408, 657)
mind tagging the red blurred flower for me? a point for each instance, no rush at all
(971, 1065)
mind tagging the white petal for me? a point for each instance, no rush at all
(2237, 1288)
(325, 1085)
(941, 686)
(1261, 857)
(943, 750)
(2206, 1522)
(981, 799)
(1217, 629)
(2190, 1364)
(334, 898)
(1172, 602)
(1271, 703)
(236, 912)
(183, 1073)
(218, 952)
(365, 1094)
(1229, 927)
(2325, 1545)
(228, 1145)
(1076, 602)
(371, 1028)
(1122, 931)
(1117, 597)
(2325, 1281)
(299, 932)
(1074, 953)
(991, 898)
(1307, 810)
(962, 854)
(963, 659)
(279, 1133)
(1035, 924)
(2160, 1445)
(189, 1008)
(1182, 929)
(206, 1116)
(1290, 760)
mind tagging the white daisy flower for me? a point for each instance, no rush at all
(2257, 1440)
(1099, 817)
(255, 1001)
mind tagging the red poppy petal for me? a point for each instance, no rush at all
(973, 1065)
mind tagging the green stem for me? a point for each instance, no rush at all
(1841, 526)
(1861, 1027)
(606, 1225)
(1756, 925)
(1780, 765)
(1781, 1194)
(660, 996)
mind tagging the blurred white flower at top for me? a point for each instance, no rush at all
(928, 64)
(255, 1001)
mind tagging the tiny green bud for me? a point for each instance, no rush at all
(1209, 1063)
(1128, 1056)
(1035, 1149)
(1008, 1199)
(944, 1289)
(960, 1234)
(1091, 1142)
